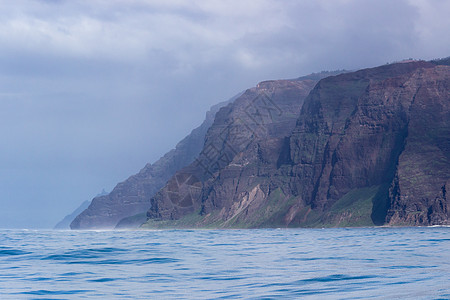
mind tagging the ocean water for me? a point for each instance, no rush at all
(357, 263)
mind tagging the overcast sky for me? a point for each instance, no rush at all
(90, 91)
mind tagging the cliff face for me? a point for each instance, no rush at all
(418, 192)
(370, 147)
(381, 133)
(132, 197)
(241, 147)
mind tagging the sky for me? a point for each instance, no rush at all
(91, 91)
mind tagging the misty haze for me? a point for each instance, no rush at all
(318, 130)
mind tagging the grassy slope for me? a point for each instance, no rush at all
(353, 210)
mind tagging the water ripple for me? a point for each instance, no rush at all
(12, 252)
(50, 292)
(357, 263)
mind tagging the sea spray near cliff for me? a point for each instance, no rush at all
(253, 264)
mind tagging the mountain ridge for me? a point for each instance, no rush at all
(368, 147)
(345, 162)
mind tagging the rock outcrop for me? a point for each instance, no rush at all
(366, 148)
(131, 198)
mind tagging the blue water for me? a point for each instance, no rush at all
(360, 263)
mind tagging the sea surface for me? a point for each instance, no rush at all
(357, 263)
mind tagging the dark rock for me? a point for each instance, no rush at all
(418, 194)
(242, 146)
(354, 133)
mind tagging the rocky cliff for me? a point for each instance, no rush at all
(131, 199)
(241, 147)
(370, 147)
(373, 143)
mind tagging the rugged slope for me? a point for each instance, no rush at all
(370, 147)
(242, 145)
(132, 197)
(418, 192)
(370, 133)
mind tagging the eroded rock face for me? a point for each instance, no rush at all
(132, 197)
(418, 192)
(386, 127)
(242, 147)
(369, 147)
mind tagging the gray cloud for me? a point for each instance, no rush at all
(90, 91)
